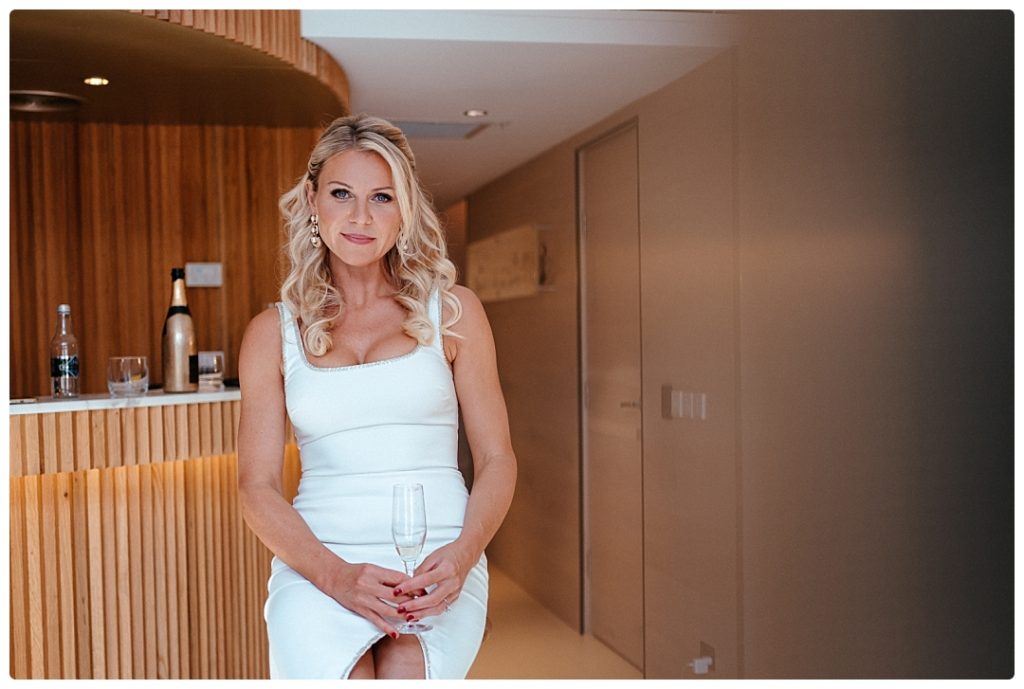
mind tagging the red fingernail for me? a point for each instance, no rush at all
(393, 635)
(401, 609)
(410, 618)
(398, 592)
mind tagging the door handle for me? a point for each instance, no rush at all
(630, 404)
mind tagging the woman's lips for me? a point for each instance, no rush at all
(357, 238)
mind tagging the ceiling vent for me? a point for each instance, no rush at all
(440, 130)
(44, 101)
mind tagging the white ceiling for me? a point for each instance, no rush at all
(542, 76)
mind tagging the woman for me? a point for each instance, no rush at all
(371, 353)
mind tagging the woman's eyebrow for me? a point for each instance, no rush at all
(346, 184)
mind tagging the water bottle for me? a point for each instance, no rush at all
(64, 367)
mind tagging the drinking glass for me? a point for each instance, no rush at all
(127, 376)
(409, 532)
(211, 371)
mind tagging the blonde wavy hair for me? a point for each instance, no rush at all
(417, 264)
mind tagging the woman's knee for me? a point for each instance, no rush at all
(400, 658)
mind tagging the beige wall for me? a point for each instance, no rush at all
(875, 218)
(539, 367)
(826, 225)
(454, 220)
(688, 296)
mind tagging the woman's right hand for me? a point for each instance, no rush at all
(364, 588)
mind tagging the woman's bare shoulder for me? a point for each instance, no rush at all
(472, 325)
(266, 322)
(262, 335)
(473, 315)
(467, 298)
(473, 329)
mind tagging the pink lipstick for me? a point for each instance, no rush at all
(357, 238)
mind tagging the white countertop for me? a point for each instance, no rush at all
(154, 398)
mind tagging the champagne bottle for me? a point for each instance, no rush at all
(180, 353)
(64, 357)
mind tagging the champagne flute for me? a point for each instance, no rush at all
(409, 532)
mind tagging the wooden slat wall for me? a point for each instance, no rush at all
(100, 213)
(275, 32)
(107, 438)
(136, 564)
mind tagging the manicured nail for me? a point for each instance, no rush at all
(401, 610)
(410, 618)
(398, 592)
(394, 635)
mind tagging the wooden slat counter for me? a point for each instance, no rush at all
(129, 555)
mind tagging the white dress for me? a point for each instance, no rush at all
(360, 429)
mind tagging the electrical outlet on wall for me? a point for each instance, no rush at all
(704, 663)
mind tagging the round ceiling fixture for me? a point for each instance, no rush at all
(44, 101)
(96, 81)
(475, 112)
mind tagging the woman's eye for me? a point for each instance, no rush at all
(382, 197)
(340, 193)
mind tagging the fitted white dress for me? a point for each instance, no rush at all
(360, 429)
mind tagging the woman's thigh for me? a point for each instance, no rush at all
(364, 668)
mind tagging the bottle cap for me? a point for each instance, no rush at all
(64, 308)
(177, 273)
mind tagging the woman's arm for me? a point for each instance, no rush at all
(261, 437)
(485, 418)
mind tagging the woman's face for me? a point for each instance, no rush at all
(358, 210)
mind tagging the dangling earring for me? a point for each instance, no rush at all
(404, 247)
(314, 231)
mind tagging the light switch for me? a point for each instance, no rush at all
(203, 275)
(681, 404)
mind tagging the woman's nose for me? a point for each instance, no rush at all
(360, 214)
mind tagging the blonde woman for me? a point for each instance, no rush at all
(370, 353)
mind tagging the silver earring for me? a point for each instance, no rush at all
(314, 231)
(404, 247)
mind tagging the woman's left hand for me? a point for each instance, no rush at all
(447, 569)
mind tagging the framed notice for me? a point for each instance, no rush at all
(504, 266)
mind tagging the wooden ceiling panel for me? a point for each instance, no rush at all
(159, 72)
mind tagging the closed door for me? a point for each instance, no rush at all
(612, 431)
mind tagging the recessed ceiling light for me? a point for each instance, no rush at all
(96, 81)
(475, 113)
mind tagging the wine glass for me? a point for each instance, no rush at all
(409, 531)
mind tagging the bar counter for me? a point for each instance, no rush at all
(153, 398)
(129, 555)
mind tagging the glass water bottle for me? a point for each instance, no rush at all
(64, 367)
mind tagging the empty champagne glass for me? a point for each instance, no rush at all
(409, 532)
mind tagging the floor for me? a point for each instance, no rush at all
(526, 641)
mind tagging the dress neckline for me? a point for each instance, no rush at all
(348, 367)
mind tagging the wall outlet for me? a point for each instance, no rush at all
(704, 663)
(700, 666)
